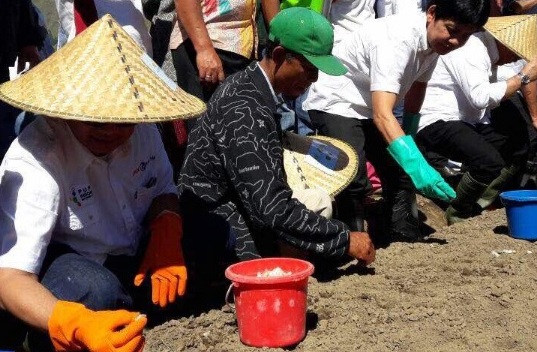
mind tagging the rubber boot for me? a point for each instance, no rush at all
(497, 186)
(464, 205)
(404, 220)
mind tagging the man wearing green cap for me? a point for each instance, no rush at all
(233, 172)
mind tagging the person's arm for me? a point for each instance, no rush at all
(496, 7)
(412, 106)
(383, 117)
(28, 214)
(515, 83)
(70, 325)
(520, 7)
(19, 292)
(270, 8)
(469, 68)
(404, 150)
(529, 91)
(388, 68)
(189, 13)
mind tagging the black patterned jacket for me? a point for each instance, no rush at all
(234, 164)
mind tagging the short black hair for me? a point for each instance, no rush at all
(472, 12)
(269, 48)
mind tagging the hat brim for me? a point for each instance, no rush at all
(102, 75)
(303, 159)
(518, 33)
(328, 64)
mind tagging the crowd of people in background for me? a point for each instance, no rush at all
(144, 154)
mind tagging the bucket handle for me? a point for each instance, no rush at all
(228, 294)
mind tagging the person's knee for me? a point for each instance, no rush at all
(74, 278)
(488, 169)
(315, 200)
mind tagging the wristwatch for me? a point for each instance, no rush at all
(524, 78)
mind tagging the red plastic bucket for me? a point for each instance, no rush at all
(271, 310)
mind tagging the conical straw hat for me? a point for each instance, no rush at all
(518, 33)
(102, 75)
(318, 162)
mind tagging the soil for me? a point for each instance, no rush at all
(467, 287)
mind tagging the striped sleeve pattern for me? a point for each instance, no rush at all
(234, 162)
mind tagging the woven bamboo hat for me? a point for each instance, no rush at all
(318, 162)
(518, 33)
(102, 75)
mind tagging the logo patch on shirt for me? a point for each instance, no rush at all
(81, 194)
(143, 165)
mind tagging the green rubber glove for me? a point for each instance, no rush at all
(426, 179)
(411, 121)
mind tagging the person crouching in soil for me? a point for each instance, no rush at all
(88, 206)
(233, 183)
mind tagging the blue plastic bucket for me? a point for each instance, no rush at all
(521, 211)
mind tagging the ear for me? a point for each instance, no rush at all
(278, 55)
(431, 13)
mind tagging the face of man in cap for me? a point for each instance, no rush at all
(101, 138)
(294, 74)
(300, 44)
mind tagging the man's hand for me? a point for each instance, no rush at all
(361, 247)
(209, 66)
(73, 327)
(164, 260)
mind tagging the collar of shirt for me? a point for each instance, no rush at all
(86, 157)
(423, 43)
(278, 100)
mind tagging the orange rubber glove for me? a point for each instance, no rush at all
(164, 260)
(73, 327)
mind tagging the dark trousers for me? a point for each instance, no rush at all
(483, 149)
(4, 73)
(367, 141)
(8, 114)
(184, 61)
(513, 113)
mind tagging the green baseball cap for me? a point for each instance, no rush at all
(308, 33)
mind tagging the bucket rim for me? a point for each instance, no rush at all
(248, 279)
(523, 195)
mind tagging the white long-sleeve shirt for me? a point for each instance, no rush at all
(385, 54)
(464, 85)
